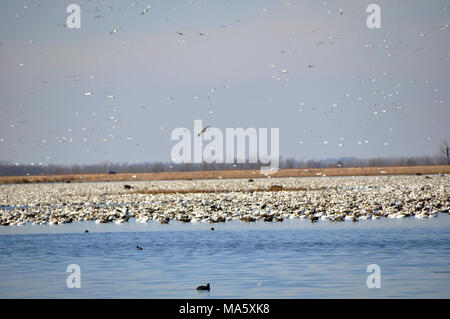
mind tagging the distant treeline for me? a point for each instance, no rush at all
(7, 169)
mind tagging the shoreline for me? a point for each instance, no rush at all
(441, 220)
(332, 199)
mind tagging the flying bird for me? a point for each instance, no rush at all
(145, 10)
(203, 130)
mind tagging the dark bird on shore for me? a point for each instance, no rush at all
(313, 218)
(128, 186)
(139, 248)
(207, 287)
(203, 130)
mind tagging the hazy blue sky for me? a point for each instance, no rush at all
(370, 92)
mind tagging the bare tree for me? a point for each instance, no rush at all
(445, 150)
(15, 169)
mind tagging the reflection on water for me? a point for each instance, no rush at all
(293, 259)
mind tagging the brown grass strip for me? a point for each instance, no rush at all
(190, 191)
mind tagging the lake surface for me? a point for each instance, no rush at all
(293, 259)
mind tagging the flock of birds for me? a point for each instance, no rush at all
(332, 199)
(95, 138)
(336, 201)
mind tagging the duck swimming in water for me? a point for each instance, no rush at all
(139, 248)
(207, 287)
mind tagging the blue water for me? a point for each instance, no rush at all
(293, 259)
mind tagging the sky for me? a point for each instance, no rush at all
(334, 87)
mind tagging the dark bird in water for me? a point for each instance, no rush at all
(139, 248)
(207, 287)
(86, 231)
(212, 228)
